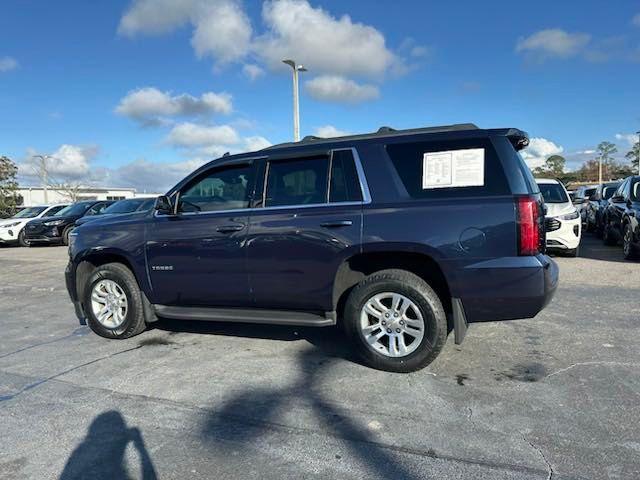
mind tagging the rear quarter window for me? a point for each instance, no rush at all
(407, 158)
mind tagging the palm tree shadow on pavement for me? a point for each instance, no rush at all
(101, 454)
(256, 412)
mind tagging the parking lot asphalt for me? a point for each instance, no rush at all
(557, 396)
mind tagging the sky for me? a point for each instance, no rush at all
(139, 93)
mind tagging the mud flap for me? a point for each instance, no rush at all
(459, 320)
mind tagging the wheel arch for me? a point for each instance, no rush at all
(412, 258)
(93, 259)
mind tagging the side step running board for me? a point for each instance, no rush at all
(249, 315)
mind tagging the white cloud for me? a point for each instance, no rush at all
(68, 162)
(254, 143)
(151, 106)
(636, 20)
(334, 88)
(222, 31)
(194, 135)
(553, 43)
(539, 150)
(293, 28)
(630, 138)
(7, 64)
(318, 40)
(252, 71)
(221, 28)
(328, 131)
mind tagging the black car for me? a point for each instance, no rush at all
(597, 203)
(399, 235)
(121, 207)
(621, 218)
(55, 229)
(581, 199)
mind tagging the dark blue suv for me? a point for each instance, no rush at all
(400, 236)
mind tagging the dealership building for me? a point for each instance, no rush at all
(30, 196)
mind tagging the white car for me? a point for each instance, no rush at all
(12, 229)
(562, 220)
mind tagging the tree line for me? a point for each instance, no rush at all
(612, 168)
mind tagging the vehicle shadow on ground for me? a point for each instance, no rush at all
(101, 454)
(592, 248)
(330, 341)
(259, 412)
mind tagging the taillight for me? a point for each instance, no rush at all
(528, 226)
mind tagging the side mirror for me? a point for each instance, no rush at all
(593, 198)
(617, 199)
(163, 205)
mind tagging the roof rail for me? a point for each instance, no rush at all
(381, 132)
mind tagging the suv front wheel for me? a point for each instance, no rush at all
(396, 321)
(113, 303)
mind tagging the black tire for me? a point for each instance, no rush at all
(573, 252)
(22, 241)
(422, 295)
(65, 235)
(607, 236)
(133, 323)
(628, 249)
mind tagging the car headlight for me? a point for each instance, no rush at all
(570, 216)
(9, 225)
(54, 223)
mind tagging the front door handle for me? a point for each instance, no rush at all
(336, 224)
(229, 228)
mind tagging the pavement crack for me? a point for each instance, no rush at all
(469, 413)
(76, 333)
(600, 363)
(550, 471)
(41, 381)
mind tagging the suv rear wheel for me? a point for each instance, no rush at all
(396, 321)
(112, 302)
(627, 243)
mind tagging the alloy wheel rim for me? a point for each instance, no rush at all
(109, 303)
(391, 324)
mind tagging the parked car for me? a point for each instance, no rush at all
(121, 207)
(597, 203)
(562, 220)
(621, 218)
(55, 230)
(400, 236)
(581, 199)
(12, 229)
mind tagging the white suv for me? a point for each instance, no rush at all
(12, 229)
(562, 221)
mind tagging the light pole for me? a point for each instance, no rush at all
(638, 151)
(43, 173)
(296, 109)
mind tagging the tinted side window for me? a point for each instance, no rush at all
(345, 185)
(407, 159)
(225, 188)
(297, 182)
(53, 210)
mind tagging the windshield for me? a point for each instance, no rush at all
(553, 193)
(29, 212)
(124, 206)
(75, 209)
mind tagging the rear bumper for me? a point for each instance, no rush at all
(508, 288)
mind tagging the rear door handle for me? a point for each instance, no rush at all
(229, 228)
(336, 224)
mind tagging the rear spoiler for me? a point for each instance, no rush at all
(518, 138)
